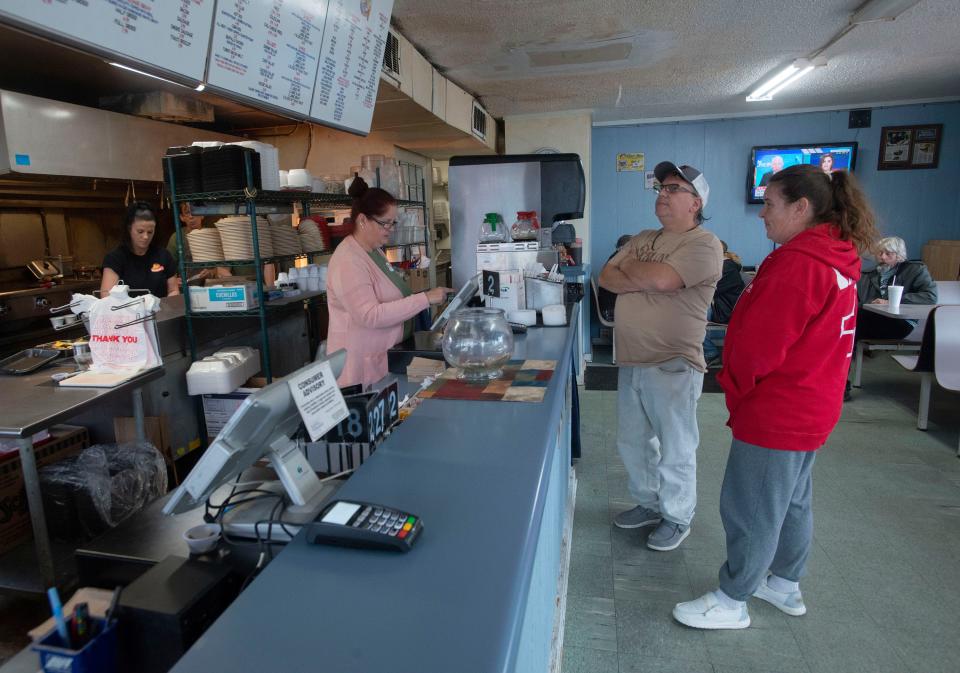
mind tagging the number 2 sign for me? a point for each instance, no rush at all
(491, 283)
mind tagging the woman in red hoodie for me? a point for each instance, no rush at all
(786, 355)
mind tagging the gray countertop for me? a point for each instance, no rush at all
(476, 472)
(33, 402)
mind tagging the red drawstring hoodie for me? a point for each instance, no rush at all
(787, 349)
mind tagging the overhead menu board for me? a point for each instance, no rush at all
(268, 50)
(314, 59)
(170, 34)
(350, 62)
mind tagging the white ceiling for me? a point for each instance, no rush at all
(683, 58)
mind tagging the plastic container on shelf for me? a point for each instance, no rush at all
(333, 184)
(492, 229)
(527, 227)
(372, 161)
(390, 177)
(269, 162)
(223, 372)
(299, 178)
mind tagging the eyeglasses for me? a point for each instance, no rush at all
(386, 225)
(673, 188)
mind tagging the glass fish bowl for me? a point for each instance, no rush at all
(478, 342)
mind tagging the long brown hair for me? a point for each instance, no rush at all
(836, 198)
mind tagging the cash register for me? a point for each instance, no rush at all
(266, 424)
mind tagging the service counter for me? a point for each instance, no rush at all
(483, 588)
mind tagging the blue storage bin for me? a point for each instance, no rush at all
(97, 656)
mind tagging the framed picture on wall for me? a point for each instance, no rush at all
(905, 147)
(926, 147)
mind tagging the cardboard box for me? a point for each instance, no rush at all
(512, 292)
(418, 279)
(125, 430)
(218, 409)
(15, 526)
(227, 298)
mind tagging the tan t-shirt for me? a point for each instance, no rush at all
(653, 327)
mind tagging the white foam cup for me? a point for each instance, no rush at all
(894, 295)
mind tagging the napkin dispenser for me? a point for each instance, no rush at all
(542, 292)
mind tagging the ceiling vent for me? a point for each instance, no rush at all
(391, 55)
(479, 126)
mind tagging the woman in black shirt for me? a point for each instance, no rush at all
(139, 263)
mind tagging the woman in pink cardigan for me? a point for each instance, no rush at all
(369, 302)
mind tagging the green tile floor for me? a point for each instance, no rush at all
(883, 583)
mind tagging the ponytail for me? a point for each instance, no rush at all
(835, 198)
(852, 214)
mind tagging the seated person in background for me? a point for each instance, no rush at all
(893, 268)
(606, 299)
(190, 222)
(725, 298)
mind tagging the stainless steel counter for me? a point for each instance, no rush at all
(33, 403)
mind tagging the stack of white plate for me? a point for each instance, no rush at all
(205, 245)
(310, 236)
(237, 239)
(285, 240)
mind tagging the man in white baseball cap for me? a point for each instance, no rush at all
(664, 280)
(690, 175)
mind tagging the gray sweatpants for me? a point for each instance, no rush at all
(765, 505)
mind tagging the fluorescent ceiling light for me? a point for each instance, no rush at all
(881, 10)
(145, 74)
(783, 79)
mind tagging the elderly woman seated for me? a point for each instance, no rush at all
(893, 269)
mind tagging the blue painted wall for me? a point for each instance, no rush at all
(918, 205)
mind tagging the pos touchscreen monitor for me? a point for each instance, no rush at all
(266, 424)
(766, 160)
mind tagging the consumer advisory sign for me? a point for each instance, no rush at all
(318, 398)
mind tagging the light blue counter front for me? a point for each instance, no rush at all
(479, 590)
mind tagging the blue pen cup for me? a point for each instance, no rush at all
(99, 655)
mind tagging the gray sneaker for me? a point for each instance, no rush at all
(668, 535)
(636, 518)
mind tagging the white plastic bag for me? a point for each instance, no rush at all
(115, 344)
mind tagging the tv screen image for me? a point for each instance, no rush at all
(765, 161)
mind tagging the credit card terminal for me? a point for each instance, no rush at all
(363, 524)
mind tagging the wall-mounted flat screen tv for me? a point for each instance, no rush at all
(767, 160)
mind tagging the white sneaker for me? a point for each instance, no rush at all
(706, 612)
(789, 603)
